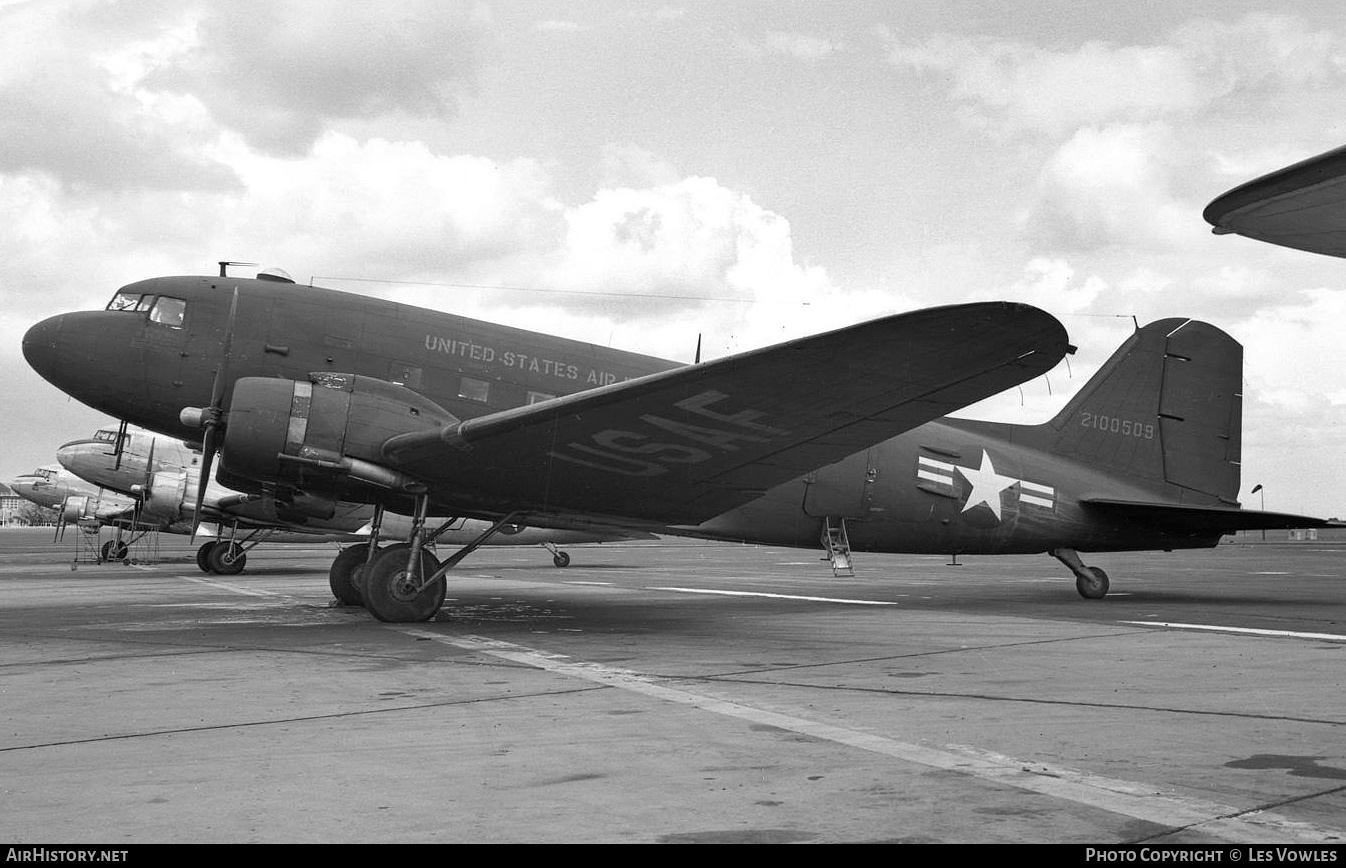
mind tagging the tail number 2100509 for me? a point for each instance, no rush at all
(1116, 425)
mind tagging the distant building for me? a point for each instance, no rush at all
(10, 504)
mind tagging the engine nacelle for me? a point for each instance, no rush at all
(75, 509)
(324, 434)
(164, 498)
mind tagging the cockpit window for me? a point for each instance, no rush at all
(169, 311)
(105, 435)
(162, 309)
(124, 301)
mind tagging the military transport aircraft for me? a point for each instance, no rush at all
(84, 504)
(160, 476)
(313, 397)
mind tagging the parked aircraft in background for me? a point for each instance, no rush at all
(1301, 206)
(313, 397)
(85, 505)
(160, 476)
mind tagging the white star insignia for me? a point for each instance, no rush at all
(986, 485)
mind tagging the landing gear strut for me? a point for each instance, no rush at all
(113, 550)
(558, 557)
(1090, 582)
(227, 557)
(346, 577)
(405, 582)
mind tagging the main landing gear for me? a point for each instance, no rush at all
(402, 582)
(1091, 582)
(119, 549)
(353, 567)
(113, 550)
(227, 557)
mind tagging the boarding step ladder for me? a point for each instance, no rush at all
(838, 546)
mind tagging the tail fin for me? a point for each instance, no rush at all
(1167, 407)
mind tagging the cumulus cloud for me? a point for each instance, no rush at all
(1290, 348)
(1109, 186)
(277, 71)
(1013, 86)
(397, 208)
(693, 239)
(68, 110)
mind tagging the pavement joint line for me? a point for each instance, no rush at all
(1127, 798)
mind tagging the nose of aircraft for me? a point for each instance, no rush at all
(21, 485)
(77, 456)
(41, 346)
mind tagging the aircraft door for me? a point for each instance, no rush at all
(841, 490)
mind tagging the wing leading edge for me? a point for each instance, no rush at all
(1301, 206)
(684, 445)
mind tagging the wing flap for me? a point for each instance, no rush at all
(686, 444)
(1301, 206)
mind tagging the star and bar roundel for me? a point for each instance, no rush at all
(982, 484)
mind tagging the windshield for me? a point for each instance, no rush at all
(162, 309)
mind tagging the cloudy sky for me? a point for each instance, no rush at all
(636, 174)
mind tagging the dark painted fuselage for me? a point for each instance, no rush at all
(131, 367)
(950, 486)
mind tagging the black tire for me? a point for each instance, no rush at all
(1095, 587)
(203, 556)
(227, 559)
(339, 576)
(561, 559)
(114, 550)
(387, 594)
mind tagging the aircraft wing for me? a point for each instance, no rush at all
(684, 445)
(1301, 206)
(1204, 519)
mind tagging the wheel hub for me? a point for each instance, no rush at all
(405, 589)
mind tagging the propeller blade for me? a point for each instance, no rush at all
(147, 488)
(214, 416)
(208, 447)
(222, 373)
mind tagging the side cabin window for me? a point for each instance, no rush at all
(474, 390)
(535, 397)
(162, 309)
(169, 311)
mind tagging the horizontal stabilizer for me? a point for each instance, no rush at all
(1178, 518)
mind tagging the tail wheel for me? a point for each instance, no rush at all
(392, 595)
(340, 575)
(561, 559)
(1094, 586)
(227, 558)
